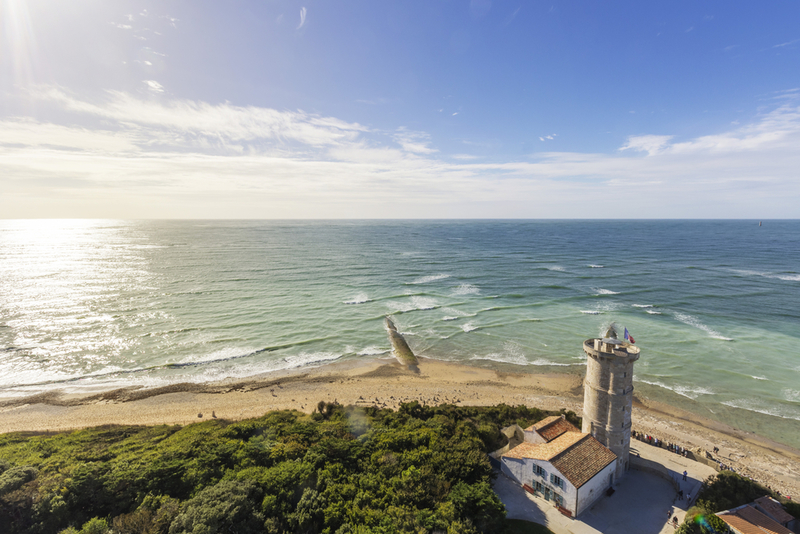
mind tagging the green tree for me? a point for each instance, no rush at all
(228, 506)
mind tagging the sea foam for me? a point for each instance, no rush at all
(693, 321)
(466, 289)
(429, 278)
(361, 298)
(601, 291)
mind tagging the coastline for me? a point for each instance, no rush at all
(384, 383)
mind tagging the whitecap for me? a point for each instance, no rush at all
(693, 321)
(372, 351)
(690, 392)
(466, 289)
(423, 303)
(758, 377)
(361, 298)
(542, 361)
(468, 327)
(601, 291)
(595, 266)
(429, 278)
(450, 318)
(415, 303)
(556, 268)
(791, 395)
(652, 312)
(788, 277)
(591, 312)
(642, 305)
(754, 406)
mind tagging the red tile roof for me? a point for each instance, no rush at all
(773, 509)
(555, 429)
(552, 427)
(577, 456)
(583, 460)
(748, 520)
(544, 422)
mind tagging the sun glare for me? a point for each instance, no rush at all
(19, 39)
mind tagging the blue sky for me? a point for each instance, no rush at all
(431, 109)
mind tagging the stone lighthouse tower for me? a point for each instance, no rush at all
(608, 394)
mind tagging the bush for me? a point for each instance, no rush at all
(226, 507)
(14, 477)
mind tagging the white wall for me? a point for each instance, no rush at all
(594, 488)
(522, 472)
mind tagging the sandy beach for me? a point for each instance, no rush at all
(384, 383)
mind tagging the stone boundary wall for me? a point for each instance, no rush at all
(655, 468)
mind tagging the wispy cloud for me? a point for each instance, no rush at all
(414, 142)
(255, 162)
(154, 86)
(788, 43)
(652, 144)
(302, 18)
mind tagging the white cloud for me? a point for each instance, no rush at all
(788, 43)
(154, 86)
(651, 144)
(414, 142)
(178, 158)
(302, 17)
(188, 121)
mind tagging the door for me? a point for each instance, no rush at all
(547, 494)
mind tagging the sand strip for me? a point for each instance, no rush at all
(385, 383)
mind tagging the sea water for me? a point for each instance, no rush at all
(714, 306)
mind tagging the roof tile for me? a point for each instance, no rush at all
(748, 520)
(577, 456)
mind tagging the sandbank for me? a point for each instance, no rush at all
(385, 383)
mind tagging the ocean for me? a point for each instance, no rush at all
(88, 305)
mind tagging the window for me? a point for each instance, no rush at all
(558, 499)
(557, 481)
(539, 487)
(538, 470)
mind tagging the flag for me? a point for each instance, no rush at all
(629, 337)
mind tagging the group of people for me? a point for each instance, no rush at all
(651, 440)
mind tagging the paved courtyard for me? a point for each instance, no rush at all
(639, 504)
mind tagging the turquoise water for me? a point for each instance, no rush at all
(88, 305)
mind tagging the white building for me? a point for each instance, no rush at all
(573, 469)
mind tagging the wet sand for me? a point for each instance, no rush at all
(385, 383)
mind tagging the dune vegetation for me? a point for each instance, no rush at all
(338, 470)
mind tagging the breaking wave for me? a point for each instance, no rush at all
(361, 298)
(601, 291)
(429, 278)
(690, 392)
(693, 321)
(753, 405)
(466, 289)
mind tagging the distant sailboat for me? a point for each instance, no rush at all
(759, 223)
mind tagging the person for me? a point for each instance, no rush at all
(675, 521)
(685, 473)
(680, 494)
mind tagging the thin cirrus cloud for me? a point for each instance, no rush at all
(134, 153)
(153, 85)
(302, 18)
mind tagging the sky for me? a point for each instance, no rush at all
(328, 109)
